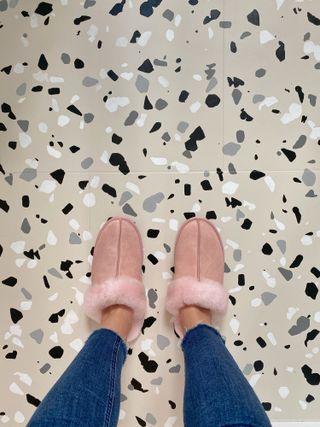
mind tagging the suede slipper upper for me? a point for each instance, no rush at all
(199, 269)
(116, 276)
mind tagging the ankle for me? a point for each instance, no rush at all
(192, 315)
(117, 318)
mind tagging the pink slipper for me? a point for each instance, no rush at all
(116, 275)
(199, 268)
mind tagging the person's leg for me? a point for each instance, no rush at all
(88, 393)
(216, 391)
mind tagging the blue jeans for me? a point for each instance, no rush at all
(88, 393)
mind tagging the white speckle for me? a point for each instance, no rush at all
(63, 120)
(19, 417)
(195, 107)
(163, 81)
(197, 77)
(283, 261)
(159, 220)
(104, 157)
(112, 104)
(18, 68)
(19, 262)
(271, 338)
(226, 219)
(173, 224)
(160, 255)
(25, 378)
(54, 337)
(166, 275)
(126, 76)
(108, 129)
(51, 238)
(177, 20)
(56, 79)
(196, 208)
(47, 186)
(14, 388)
(270, 183)
(92, 32)
(171, 420)
(317, 317)
(133, 187)
(291, 312)
(17, 342)
(78, 296)
(308, 47)
(122, 414)
(169, 35)
(230, 187)
(140, 121)
(70, 319)
(33, 163)
(306, 240)
(315, 131)
(234, 325)
(271, 281)
(77, 344)
(279, 225)
(32, 263)
(53, 152)
(122, 42)
(254, 379)
(279, 3)
(256, 302)
(210, 33)
(18, 246)
(89, 200)
(146, 347)
(26, 305)
(74, 224)
(277, 409)
(181, 167)
(4, 419)
(295, 111)
(43, 127)
(24, 140)
(251, 206)
(234, 245)
(144, 38)
(86, 280)
(268, 101)
(94, 182)
(159, 161)
(303, 404)
(86, 235)
(55, 105)
(265, 36)
(283, 392)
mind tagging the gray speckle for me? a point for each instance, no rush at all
(37, 335)
(26, 294)
(88, 117)
(236, 96)
(311, 193)
(245, 34)
(25, 226)
(187, 154)
(162, 341)
(312, 100)
(130, 387)
(3, 5)
(175, 369)
(151, 419)
(258, 98)
(308, 177)
(226, 268)
(232, 169)
(254, 18)
(123, 397)
(130, 120)
(65, 58)
(206, 173)
(86, 163)
(127, 209)
(156, 381)
(54, 273)
(13, 3)
(21, 90)
(260, 72)
(247, 369)
(300, 142)
(212, 83)
(225, 24)
(268, 297)
(23, 124)
(168, 14)
(160, 62)
(166, 137)
(28, 174)
(182, 126)
(237, 255)
(282, 245)
(287, 274)
(45, 368)
(142, 84)
(9, 179)
(240, 135)
(125, 196)
(231, 148)
(160, 104)
(239, 215)
(167, 247)
(150, 203)
(74, 239)
(152, 296)
(89, 81)
(302, 324)
(89, 3)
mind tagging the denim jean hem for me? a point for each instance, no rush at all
(123, 344)
(190, 331)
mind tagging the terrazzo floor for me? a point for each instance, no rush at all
(160, 111)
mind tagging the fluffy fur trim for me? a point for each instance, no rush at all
(120, 290)
(189, 291)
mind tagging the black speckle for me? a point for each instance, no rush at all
(4, 205)
(153, 259)
(261, 342)
(146, 66)
(152, 233)
(16, 315)
(183, 96)
(172, 404)
(212, 100)
(311, 290)
(56, 352)
(245, 116)
(315, 272)
(297, 213)
(291, 155)
(58, 175)
(109, 190)
(73, 109)
(113, 76)
(68, 208)
(311, 336)
(312, 378)
(82, 18)
(309, 398)
(137, 385)
(54, 318)
(214, 14)
(117, 159)
(258, 365)
(241, 280)
(117, 8)
(116, 139)
(32, 400)
(74, 149)
(43, 8)
(211, 215)
(267, 406)
(256, 174)
(11, 355)
(280, 52)
(10, 281)
(42, 63)
(205, 184)
(147, 323)
(267, 249)
(141, 422)
(254, 18)
(297, 261)
(313, 19)
(246, 224)
(148, 365)
(78, 63)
